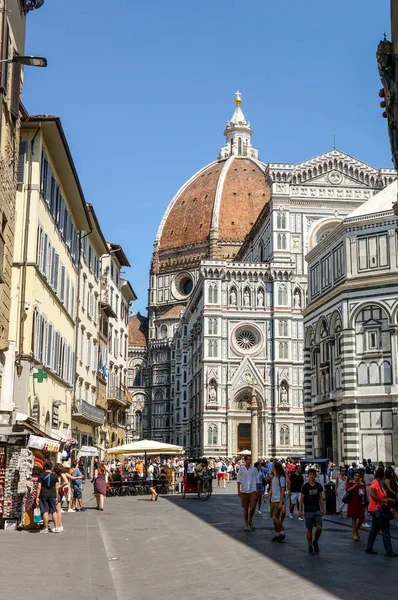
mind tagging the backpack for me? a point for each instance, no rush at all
(223, 468)
(156, 472)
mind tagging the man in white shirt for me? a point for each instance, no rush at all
(247, 491)
(191, 467)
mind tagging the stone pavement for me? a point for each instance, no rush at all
(178, 549)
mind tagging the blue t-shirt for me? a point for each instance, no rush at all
(77, 483)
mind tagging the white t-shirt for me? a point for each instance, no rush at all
(150, 472)
(277, 484)
(230, 469)
(219, 466)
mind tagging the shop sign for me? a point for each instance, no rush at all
(88, 451)
(41, 443)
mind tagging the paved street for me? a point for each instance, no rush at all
(187, 549)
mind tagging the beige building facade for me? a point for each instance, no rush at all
(13, 24)
(116, 297)
(51, 216)
(87, 417)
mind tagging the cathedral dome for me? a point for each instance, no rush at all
(218, 206)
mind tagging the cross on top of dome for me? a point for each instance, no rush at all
(238, 134)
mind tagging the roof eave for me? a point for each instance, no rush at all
(58, 147)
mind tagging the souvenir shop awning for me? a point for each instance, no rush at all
(42, 443)
(87, 451)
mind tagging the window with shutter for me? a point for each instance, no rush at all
(56, 272)
(72, 301)
(67, 290)
(62, 284)
(61, 211)
(49, 344)
(15, 90)
(5, 53)
(88, 362)
(21, 162)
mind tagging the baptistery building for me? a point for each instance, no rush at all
(228, 286)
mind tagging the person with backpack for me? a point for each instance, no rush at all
(221, 471)
(47, 493)
(150, 477)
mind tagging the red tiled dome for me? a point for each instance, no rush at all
(225, 197)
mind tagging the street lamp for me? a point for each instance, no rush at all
(30, 61)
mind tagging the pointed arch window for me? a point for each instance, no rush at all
(284, 435)
(212, 435)
(281, 221)
(282, 295)
(213, 293)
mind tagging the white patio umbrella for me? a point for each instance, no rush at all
(245, 453)
(146, 447)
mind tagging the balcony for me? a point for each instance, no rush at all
(86, 413)
(118, 395)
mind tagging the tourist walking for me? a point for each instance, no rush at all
(381, 515)
(296, 485)
(341, 488)
(47, 492)
(100, 485)
(356, 505)
(221, 470)
(260, 486)
(312, 501)
(63, 488)
(150, 477)
(391, 484)
(278, 509)
(247, 492)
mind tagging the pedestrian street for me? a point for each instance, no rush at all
(188, 549)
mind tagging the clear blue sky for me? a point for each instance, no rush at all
(144, 89)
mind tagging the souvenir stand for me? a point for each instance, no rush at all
(16, 462)
(41, 449)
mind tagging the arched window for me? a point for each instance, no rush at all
(215, 322)
(163, 332)
(283, 350)
(281, 221)
(213, 294)
(282, 295)
(240, 146)
(261, 251)
(283, 328)
(284, 436)
(185, 377)
(137, 375)
(212, 435)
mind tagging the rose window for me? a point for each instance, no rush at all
(246, 339)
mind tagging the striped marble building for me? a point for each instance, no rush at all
(351, 346)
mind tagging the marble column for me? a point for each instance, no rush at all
(254, 426)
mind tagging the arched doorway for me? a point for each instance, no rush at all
(240, 428)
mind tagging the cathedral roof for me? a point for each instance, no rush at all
(223, 199)
(173, 313)
(379, 203)
(138, 331)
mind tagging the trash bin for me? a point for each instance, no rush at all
(330, 498)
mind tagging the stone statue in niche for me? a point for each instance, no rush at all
(260, 299)
(284, 395)
(232, 297)
(246, 298)
(297, 299)
(212, 394)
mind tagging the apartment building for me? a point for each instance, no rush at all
(116, 297)
(51, 217)
(13, 25)
(87, 413)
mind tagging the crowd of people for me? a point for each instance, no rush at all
(360, 490)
